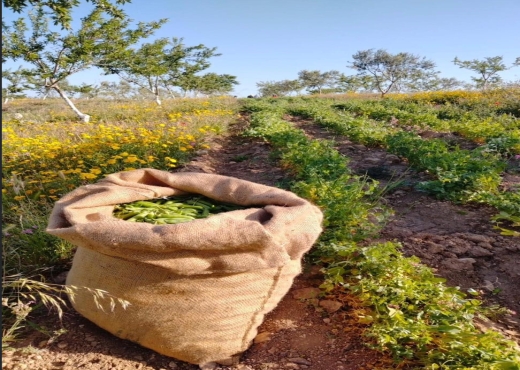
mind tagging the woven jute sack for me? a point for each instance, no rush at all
(197, 290)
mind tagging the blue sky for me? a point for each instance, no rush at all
(272, 40)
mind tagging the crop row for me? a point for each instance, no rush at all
(465, 175)
(470, 125)
(408, 311)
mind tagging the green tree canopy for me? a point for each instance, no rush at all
(392, 72)
(54, 56)
(315, 81)
(279, 88)
(162, 64)
(355, 83)
(17, 83)
(60, 10)
(487, 70)
(215, 84)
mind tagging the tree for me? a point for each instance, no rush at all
(87, 91)
(441, 84)
(115, 90)
(487, 69)
(61, 10)
(315, 80)
(56, 56)
(142, 67)
(279, 88)
(292, 86)
(17, 83)
(355, 83)
(215, 84)
(162, 64)
(208, 84)
(270, 88)
(392, 72)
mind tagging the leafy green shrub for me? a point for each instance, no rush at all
(413, 314)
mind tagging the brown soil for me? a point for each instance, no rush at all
(305, 332)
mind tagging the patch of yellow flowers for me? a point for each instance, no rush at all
(43, 161)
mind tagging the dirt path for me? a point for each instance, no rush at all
(301, 333)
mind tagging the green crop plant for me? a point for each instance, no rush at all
(408, 312)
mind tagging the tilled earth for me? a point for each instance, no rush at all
(306, 332)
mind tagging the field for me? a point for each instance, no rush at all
(421, 197)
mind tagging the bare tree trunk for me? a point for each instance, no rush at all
(157, 99)
(82, 116)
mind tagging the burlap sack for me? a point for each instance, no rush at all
(198, 290)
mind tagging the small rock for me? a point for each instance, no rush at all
(291, 365)
(331, 306)
(262, 337)
(459, 264)
(306, 293)
(269, 365)
(434, 247)
(172, 365)
(459, 248)
(392, 158)
(449, 254)
(477, 238)
(208, 366)
(486, 245)
(372, 160)
(300, 361)
(479, 252)
(229, 361)
(326, 320)
(62, 345)
(43, 343)
(243, 367)
(488, 285)
(18, 116)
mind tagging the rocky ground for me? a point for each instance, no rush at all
(306, 332)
